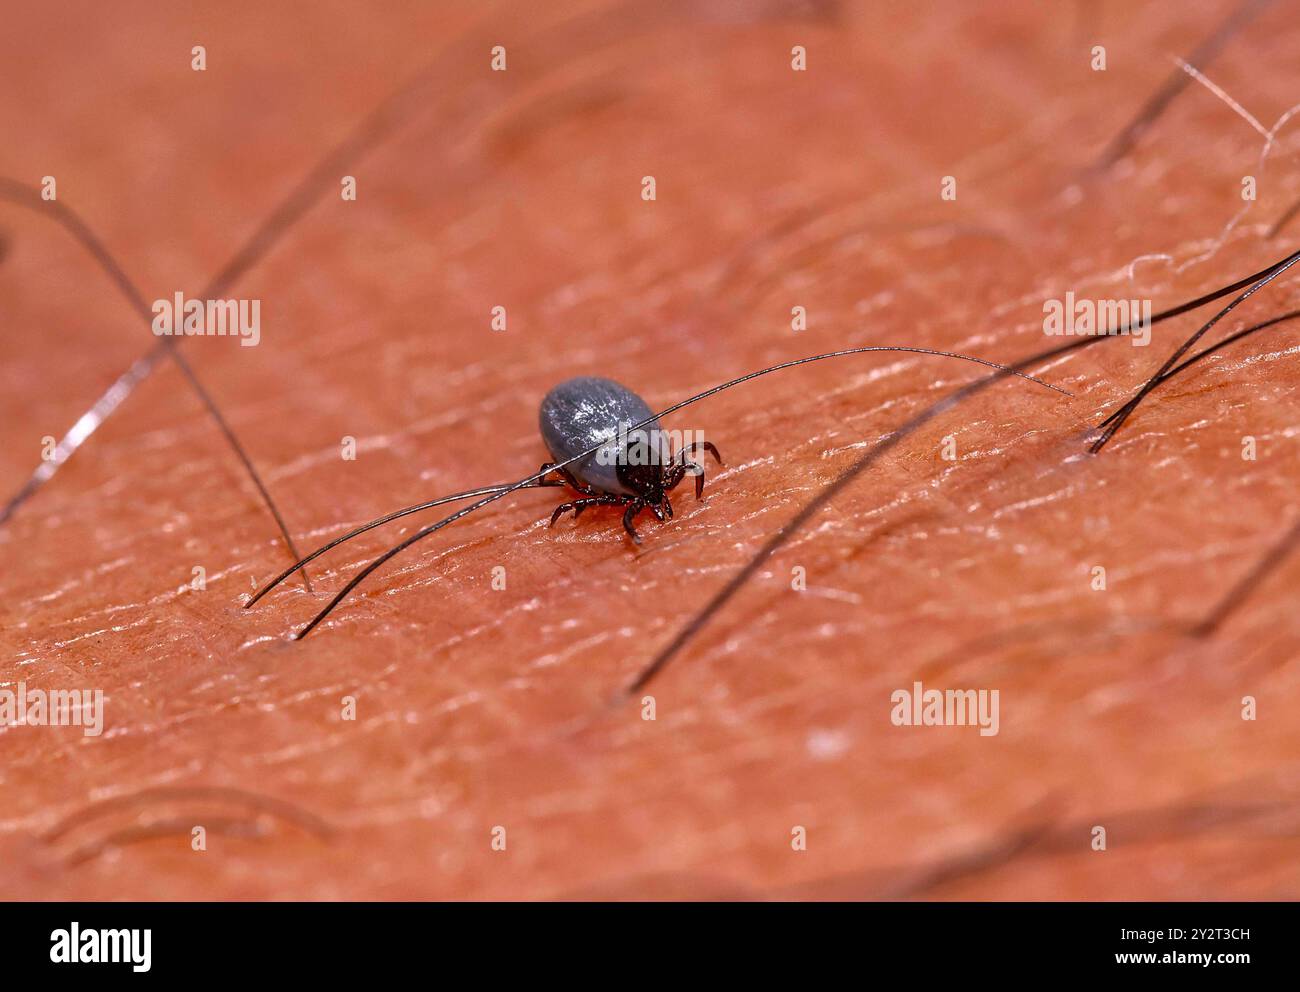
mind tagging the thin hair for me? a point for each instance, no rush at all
(734, 584)
(67, 218)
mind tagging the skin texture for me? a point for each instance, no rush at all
(479, 707)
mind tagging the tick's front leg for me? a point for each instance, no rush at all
(633, 508)
(685, 456)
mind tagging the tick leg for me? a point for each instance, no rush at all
(548, 467)
(708, 446)
(698, 467)
(680, 472)
(633, 508)
(578, 505)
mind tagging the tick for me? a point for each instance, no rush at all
(631, 468)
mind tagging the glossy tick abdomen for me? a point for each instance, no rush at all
(585, 411)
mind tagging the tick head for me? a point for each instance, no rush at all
(641, 469)
(645, 481)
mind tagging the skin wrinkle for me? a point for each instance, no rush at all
(610, 825)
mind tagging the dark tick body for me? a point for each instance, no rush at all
(635, 469)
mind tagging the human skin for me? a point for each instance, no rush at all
(479, 707)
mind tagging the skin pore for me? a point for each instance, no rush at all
(479, 707)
